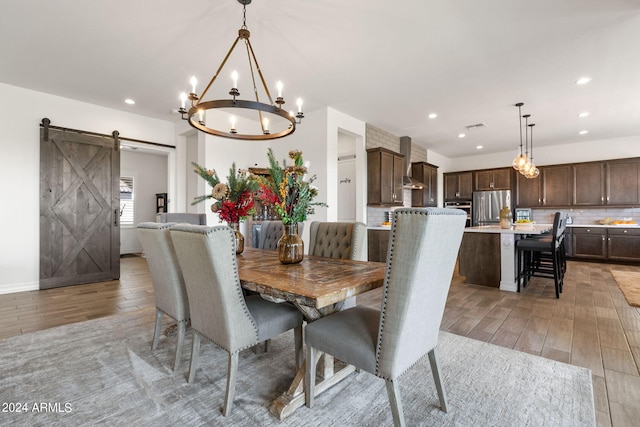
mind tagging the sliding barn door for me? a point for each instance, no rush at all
(79, 207)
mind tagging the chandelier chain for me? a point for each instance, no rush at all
(244, 16)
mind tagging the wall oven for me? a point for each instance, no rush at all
(465, 205)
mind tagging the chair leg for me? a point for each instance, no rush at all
(310, 377)
(297, 335)
(556, 273)
(262, 347)
(195, 352)
(157, 330)
(435, 369)
(232, 370)
(393, 392)
(182, 330)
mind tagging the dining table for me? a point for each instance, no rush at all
(317, 286)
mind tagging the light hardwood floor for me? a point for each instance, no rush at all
(591, 325)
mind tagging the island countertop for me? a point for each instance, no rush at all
(535, 229)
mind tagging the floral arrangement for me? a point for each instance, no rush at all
(234, 199)
(286, 190)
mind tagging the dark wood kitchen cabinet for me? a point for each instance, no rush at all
(529, 191)
(384, 177)
(600, 243)
(493, 179)
(428, 175)
(623, 244)
(590, 242)
(588, 184)
(458, 186)
(377, 245)
(623, 182)
(556, 185)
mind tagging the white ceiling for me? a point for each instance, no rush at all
(386, 63)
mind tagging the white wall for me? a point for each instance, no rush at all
(618, 148)
(149, 172)
(21, 112)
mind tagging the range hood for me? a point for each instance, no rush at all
(407, 181)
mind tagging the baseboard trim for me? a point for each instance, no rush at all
(19, 287)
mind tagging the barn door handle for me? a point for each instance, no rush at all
(115, 217)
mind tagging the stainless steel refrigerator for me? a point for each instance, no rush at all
(487, 205)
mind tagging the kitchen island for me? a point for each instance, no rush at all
(488, 254)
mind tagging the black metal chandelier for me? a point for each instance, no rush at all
(285, 122)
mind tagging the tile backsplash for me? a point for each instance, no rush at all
(586, 216)
(375, 215)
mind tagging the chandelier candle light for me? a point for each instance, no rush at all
(284, 122)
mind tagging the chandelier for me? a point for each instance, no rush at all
(523, 163)
(274, 121)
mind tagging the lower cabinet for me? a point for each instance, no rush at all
(590, 242)
(623, 244)
(378, 245)
(599, 243)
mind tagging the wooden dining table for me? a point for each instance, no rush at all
(318, 286)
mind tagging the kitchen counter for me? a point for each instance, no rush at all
(379, 227)
(488, 254)
(603, 225)
(535, 229)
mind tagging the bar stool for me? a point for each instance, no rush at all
(544, 256)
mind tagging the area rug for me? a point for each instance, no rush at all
(102, 372)
(629, 284)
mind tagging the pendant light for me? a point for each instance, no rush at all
(521, 159)
(527, 165)
(533, 171)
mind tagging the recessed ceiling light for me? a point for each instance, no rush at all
(479, 147)
(462, 135)
(584, 132)
(583, 80)
(583, 114)
(129, 101)
(433, 115)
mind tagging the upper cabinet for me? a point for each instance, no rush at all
(556, 185)
(458, 186)
(529, 191)
(605, 183)
(623, 182)
(384, 177)
(493, 179)
(588, 184)
(428, 175)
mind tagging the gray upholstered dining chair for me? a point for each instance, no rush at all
(219, 311)
(168, 285)
(387, 342)
(343, 240)
(271, 232)
(182, 218)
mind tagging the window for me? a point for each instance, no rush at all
(126, 201)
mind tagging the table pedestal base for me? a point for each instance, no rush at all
(293, 398)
